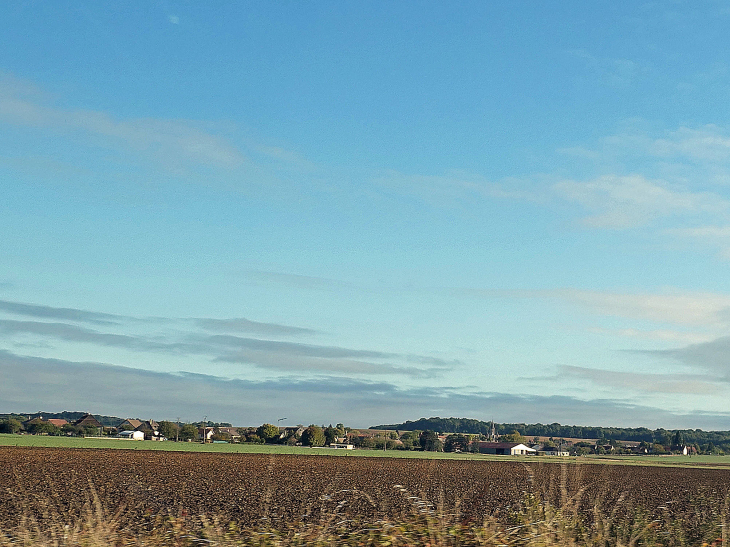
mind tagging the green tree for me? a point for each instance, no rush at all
(168, 429)
(429, 441)
(387, 444)
(678, 440)
(10, 425)
(666, 440)
(330, 434)
(70, 429)
(367, 442)
(91, 431)
(268, 432)
(313, 436)
(456, 443)
(219, 435)
(188, 432)
(514, 437)
(44, 428)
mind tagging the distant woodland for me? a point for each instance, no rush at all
(555, 430)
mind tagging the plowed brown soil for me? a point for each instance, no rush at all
(53, 483)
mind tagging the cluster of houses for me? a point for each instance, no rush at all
(128, 429)
(139, 430)
(134, 429)
(86, 421)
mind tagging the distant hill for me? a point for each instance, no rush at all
(109, 421)
(444, 425)
(555, 430)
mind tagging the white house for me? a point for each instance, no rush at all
(505, 449)
(549, 450)
(131, 435)
(342, 446)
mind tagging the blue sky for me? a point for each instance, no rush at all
(366, 213)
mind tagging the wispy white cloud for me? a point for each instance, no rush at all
(713, 237)
(677, 307)
(690, 157)
(172, 142)
(630, 201)
(672, 306)
(706, 143)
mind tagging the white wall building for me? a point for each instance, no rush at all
(131, 435)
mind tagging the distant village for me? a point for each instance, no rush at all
(337, 437)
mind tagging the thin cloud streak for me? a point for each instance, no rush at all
(313, 364)
(700, 309)
(173, 141)
(640, 382)
(235, 324)
(241, 324)
(266, 354)
(74, 333)
(713, 356)
(48, 312)
(293, 348)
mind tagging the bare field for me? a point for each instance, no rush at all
(53, 483)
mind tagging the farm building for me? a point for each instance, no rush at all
(342, 446)
(131, 435)
(291, 431)
(34, 421)
(148, 425)
(150, 429)
(232, 432)
(542, 450)
(131, 422)
(87, 420)
(205, 433)
(505, 449)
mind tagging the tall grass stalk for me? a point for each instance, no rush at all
(535, 523)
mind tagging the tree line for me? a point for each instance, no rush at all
(556, 430)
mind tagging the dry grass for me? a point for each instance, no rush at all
(534, 523)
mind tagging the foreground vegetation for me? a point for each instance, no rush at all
(533, 524)
(73, 497)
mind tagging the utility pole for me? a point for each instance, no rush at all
(177, 431)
